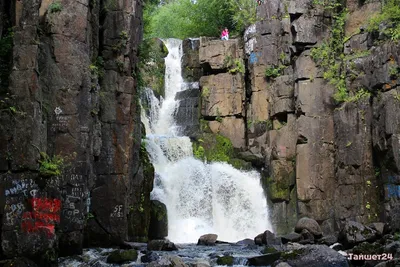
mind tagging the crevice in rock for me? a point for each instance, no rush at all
(301, 139)
(207, 70)
(281, 117)
(294, 16)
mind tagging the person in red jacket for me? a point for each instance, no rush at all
(225, 34)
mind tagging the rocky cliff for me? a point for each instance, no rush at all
(328, 143)
(72, 169)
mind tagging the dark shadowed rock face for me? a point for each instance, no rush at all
(73, 168)
(158, 228)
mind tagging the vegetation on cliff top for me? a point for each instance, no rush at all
(390, 18)
(185, 18)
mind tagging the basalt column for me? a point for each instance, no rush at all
(71, 166)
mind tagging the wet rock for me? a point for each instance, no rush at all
(314, 256)
(292, 237)
(200, 264)
(269, 250)
(264, 260)
(207, 240)
(150, 256)
(158, 228)
(246, 241)
(256, 159)
(186, 114)
(164, 245)
(225, 260)
(267, 238)
(121, 256)
(258, 239)
(169, 261)
(309, 224)
(133, 245)
(354, 233)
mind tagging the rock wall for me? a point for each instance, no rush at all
(72, 171)
(324, 159)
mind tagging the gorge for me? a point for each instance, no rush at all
(299, 117)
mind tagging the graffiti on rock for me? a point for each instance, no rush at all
(43, 217)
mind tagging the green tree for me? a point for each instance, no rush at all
(188, 18)
(244, 13)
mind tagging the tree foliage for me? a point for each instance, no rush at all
(188, 18)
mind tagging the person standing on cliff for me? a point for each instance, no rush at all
(225, 34)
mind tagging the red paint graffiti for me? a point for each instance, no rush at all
(43, 217)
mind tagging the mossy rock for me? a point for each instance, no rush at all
(225, 260)
(368, 248)
(268, 250)
(158, 228)
(213, 147)
(240, 164)
(291, 255)
(121, 256)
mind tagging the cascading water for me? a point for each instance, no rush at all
(201, 198)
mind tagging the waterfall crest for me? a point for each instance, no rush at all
(201, 198)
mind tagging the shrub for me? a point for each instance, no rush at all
(50, 166)
(55, 7)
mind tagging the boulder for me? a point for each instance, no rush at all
(308, 238)
(264, 260)
(267, 238)
(354, 233)
(292, 237)
(393, 248)
(314, 256)
(379, 227)
(258, 239)
(309, 224)
(158, 228)
(150, 257)
(158, 245)
(328, 240)
(121, 256)
(283, 264)
(207, 240)
(225, 260)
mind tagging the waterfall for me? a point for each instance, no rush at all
(201, 198)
